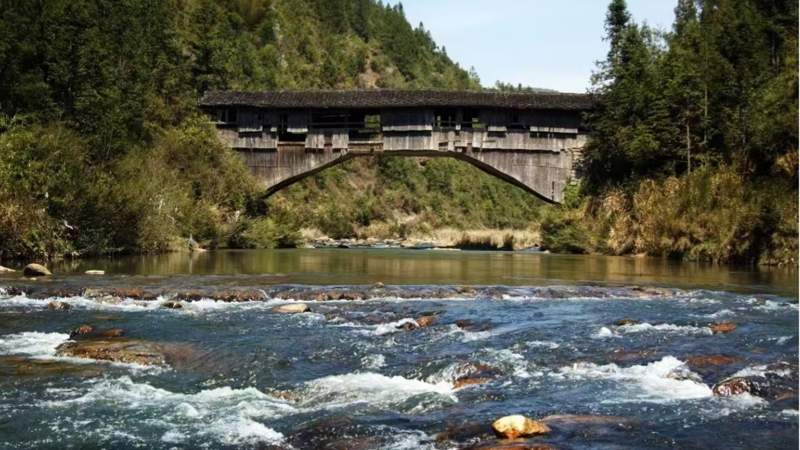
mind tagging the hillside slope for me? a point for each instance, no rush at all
(105, 151)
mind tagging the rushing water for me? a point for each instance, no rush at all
(539, 335)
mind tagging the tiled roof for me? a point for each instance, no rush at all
(397, 99)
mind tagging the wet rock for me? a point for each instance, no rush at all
(335, 433)
(289, 396)
(14, 291)
(775, 381)
(622, 356)
(86, 331)
(58, 306)
(704, 361)
(722, 327)
(110, 333)
(590, 426)
(83, 330)
(462, 431)
(465, 290)
(469, 381)
(378, 285)
(470, 325)
(18, 366)
(291, 308)
(514, 426)
(426, 321)
(172, 305)
(35, 270)
(239, 295)
(641, 291)
(116, 350)
(733, 386)
(582, 421)
(516, 444)
(119, 293)
(63, 292)
(95, 272)
(465, 323)
(470, 373)
(190, 296)
(626, 321)
(6, 270)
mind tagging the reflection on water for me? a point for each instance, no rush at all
(351, 266)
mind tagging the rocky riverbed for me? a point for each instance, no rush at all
(395, 366)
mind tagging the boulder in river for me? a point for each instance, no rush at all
(733, 386)
(35, 270)
(95, 272)
(58, 306)
(514, 426)
(83, 330)
(172, 305)
(626, 321)
(291, 308)
(722, 327)
(6, 269)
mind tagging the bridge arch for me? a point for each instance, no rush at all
(530, 140)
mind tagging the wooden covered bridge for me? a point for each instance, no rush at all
(529, 139)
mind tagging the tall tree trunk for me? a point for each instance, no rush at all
(688, 149)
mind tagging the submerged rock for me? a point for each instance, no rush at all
(116, 350)
(58, 306)
(585, 421)
(172, 305)
(703, 361)
(722, 327)
(20, 366)
(35, 270)
(626, 321)
(291, 308)
(512, 427)
(517, 444)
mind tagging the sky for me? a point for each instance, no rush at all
(541, 43)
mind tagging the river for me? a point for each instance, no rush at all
(400, 349)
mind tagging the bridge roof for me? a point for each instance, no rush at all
(384, 98)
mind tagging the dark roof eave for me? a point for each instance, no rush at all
(374, 99)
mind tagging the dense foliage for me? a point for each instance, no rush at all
(104, 150)
(713, 103)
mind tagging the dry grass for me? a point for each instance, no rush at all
(505, 239)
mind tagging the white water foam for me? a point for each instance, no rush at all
(721, 314)
(38, 345)
(664, 380)
(338, 391)
(543, 344)
(663, 327)
(604, 333)
(226, 415)
(374, 361)
(32, 343)
(126, 304)
(760, 371)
